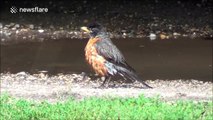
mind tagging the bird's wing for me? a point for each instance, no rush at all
(111, 53)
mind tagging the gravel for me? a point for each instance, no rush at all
(52, 88)
(123, 19)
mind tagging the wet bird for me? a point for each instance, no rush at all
(105, 58)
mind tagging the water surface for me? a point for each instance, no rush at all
(182, 58)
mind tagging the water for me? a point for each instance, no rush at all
(159, 59)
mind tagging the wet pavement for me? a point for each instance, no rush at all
(168, 59)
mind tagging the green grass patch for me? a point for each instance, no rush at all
(140, 108)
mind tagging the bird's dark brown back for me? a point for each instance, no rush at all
(110, 52)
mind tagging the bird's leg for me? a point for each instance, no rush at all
(109, 79)
(84, 76)
(106, 79)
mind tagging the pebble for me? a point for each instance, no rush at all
(24, 30)
(13, 28)
(176, 34)
(193, 35)
(32, 78)
(152, 36)
(17, 31)
(40, 30)
(21, 73)
(11, 24)
(5, 28)
(17, 26)
(31, 26)
(42, 71)
(8, 33)
(124, 34)
(163, 36)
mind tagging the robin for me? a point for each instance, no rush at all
(105, 58)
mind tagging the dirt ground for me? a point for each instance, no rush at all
(40, 87)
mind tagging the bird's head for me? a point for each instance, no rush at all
(93, 29)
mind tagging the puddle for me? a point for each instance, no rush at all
(181, 58)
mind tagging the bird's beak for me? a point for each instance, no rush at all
(85, 29)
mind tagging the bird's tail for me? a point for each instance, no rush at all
(131, 75)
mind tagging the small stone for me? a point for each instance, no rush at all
(13, 28)
(42, 75)
(24, 30)
(5, 28)
(152, 36)
(12, 24)
(17, 26)
(43, 71)
(8, 33)
(31, 26)
(21, 74)
(176, 34)
(41, 31)
(162, 36)
(75, 33)
(193, 35)
(17, 31)
(32, 78)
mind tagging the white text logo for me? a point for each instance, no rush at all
(14, 9)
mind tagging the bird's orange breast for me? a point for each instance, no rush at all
(94, 59)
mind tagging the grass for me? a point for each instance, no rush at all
(140, 108)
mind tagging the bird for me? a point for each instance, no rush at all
(105, 58)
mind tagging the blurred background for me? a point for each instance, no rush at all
(160, 39)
